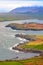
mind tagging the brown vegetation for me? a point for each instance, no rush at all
(26, 26)
(33, 61)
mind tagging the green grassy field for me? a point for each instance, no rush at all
(10, 63)
(32, 61)
(36, 47)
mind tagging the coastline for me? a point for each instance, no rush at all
(26, 50)
(30, 38)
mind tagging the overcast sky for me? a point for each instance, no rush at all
(7, 5)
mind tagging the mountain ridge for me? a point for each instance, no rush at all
(23, 13)
(33, 9)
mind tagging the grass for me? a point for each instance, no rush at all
(32, 61)
(36, 47)
(37, 44)
(10, 63)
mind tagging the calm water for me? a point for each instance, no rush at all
(8, 39)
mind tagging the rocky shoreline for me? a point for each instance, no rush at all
(27, 37)
(26, 50)
(30, 38)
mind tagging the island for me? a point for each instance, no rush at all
(26, 26)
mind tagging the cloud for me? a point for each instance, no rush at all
(21, 0)
(9, 5)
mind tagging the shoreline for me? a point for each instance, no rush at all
(27, 50)
(30, 39)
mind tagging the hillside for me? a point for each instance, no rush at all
(23, 13)
(34, 10)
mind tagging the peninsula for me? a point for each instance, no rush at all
(34, 43)
(26, 26)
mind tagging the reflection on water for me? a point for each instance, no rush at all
(8, 39)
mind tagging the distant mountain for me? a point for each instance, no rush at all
(20, 10)
(23, 13)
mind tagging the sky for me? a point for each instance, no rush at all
(7, 5)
